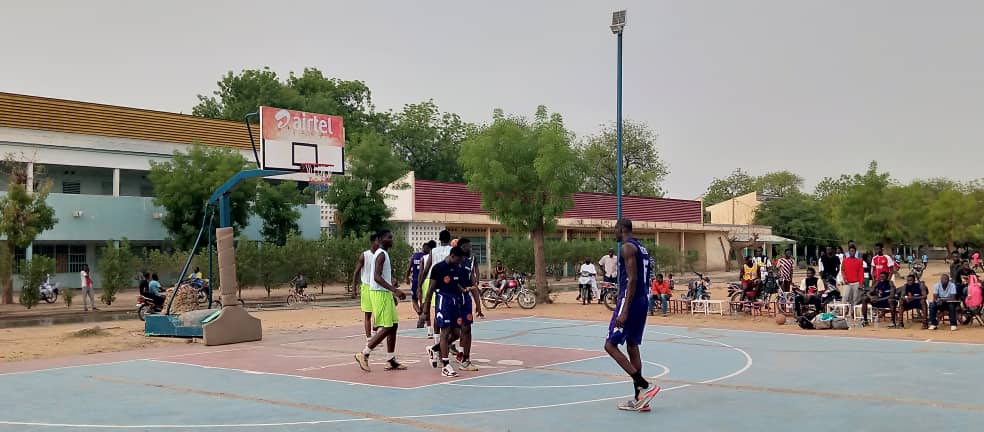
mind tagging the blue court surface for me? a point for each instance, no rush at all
(713, 380)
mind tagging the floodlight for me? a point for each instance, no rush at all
(618, 21)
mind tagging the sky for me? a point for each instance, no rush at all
(816, 87)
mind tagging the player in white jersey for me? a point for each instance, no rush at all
(361, 279)
(437, 255)
(383, 290)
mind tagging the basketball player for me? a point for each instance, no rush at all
(629, 319)
(413, 278)
(361, 278)
(437, 255)
(446, 278)
(383, 290)
(468, 298)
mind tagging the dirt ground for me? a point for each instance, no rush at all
(63, 340)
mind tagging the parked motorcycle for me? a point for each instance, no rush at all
(48, 290)
(584, 283)
(609, 294)
(697, 289)
(515, 289)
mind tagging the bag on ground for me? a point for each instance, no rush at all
(805, 323)
(839, 323)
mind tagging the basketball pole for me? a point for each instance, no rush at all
(617, 27)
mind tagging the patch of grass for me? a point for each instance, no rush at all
(88, 332)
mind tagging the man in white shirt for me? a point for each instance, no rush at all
(609, 264)
(589, 268)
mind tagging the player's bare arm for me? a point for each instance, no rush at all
(378, 277)
(356, 280)
(629, 258)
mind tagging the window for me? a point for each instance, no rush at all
(71, 187)
(68, 258)
(107, 188)
(146, 190)
(19, 255)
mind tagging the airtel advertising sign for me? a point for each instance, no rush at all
(293, 138)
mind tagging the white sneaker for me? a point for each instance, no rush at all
(448, 372)
(953, 328)
(430, 332)
(433, 357)
(932, 327)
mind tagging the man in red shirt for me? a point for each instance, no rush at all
(881, 263)
(661, 293)
(853, 269)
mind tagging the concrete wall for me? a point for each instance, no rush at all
(736, 211)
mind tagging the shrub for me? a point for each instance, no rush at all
(33, 273)
(117, 266)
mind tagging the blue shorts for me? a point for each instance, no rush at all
(881, 304)
(912, 304)
(635, 324)
(465, 309)
(413, 289)
(447, 313)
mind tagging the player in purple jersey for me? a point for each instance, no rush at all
(629, 318)
(413, 277)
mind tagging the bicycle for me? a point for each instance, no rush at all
(297, 295)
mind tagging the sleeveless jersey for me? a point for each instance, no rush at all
(437, 255)
(387, 273)
(641, 271)
(913, 289)
(368, 267)
(884, 289)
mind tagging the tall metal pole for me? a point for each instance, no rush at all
(618, 130)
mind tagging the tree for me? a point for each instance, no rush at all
(34, 272)
(526, 173)
(952, 218)
(277, 205)
(429, 140)
(722, 189)
(799, 217)
(643, 171)
(116, 267)
(23, 216)
(864, 209)
(357, 199)
(779, 183)
(247, 263)
(311, 91)
(183, 185)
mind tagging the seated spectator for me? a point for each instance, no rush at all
(882, 296)
(963, 280)
(808, 293)
(145, 284)
(944, 296)
(914, 296)
(660, 292)
(750, 279)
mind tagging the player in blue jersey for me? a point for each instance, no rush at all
(413, 277)
(629, 319)
(446, 279)
(470, 302)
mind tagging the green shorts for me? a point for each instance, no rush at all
(383, 308)
(425, 286)
(366, 302)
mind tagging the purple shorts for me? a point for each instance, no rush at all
(635, 325)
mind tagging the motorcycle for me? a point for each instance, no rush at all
(49, 291)
(145, 306)
(609, 294)
(515, 289)
(584, 284)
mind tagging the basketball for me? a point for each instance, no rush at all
(780, 319)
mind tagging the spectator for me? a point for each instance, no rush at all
(853, 270)
(87, 291)
(881, 263)
(761, 261)
(829, 267)
(808, 295)
(850, 244)
(785, 270)
(963, 279)
(609, 265)
(840, 272)
(750, 279)
(913, 297)
(590, 269)
(144, 285)
(660, 292)
(925, 260)
(866, 260)
(881, 297)
(672, 284)
(976, 258)
(944, 295)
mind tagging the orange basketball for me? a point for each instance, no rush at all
(780, 319)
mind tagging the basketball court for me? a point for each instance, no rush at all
(537, 374)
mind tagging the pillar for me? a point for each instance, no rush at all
(795, 247)
(488, 247)
(657, 238)
(116, 182)
(683, 239)
(599, 234)
(30, 183)
(29, 252)
(566, 264)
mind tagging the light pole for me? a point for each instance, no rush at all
(618, 25)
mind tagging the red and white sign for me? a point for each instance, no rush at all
(291, 138)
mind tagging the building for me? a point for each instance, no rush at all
(98, 157)
(739, 210)
(421, 211)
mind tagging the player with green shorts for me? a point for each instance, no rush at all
(383, 292)
(364, 270)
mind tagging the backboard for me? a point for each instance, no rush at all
(290, 139)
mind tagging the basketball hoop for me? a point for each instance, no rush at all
(319, 175)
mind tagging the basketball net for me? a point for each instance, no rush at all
(319, 176)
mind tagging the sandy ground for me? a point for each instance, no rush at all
(63, 340)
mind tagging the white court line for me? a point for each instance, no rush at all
(665, 371)
(520, 370)
(194, 426)
(209, 352)
(252, 372)
(69, 367)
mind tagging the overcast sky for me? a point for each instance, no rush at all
(817, 87)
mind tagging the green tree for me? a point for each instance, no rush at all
(799, 217)
(277, 205)
(23, 216)
(247, 263)
(311, 91)
(526, 172)
(301, 254)
(865, 210)
(358, 200)
(736, 184)
(643, 171)
(183, 185)
(516, 253)
(779, 183)
(116, 266)
(951, 219)
(272, 266)
(429, 140)
(33, 273)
